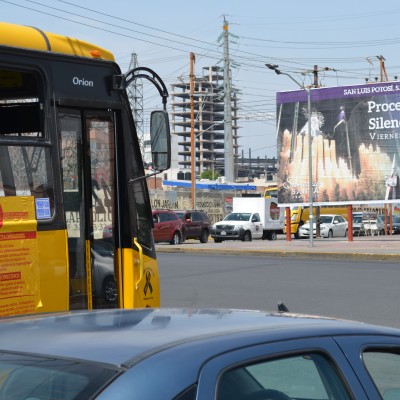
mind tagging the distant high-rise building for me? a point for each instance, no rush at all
(208, 124)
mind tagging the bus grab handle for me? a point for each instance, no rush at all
(140, 260)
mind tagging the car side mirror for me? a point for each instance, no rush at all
(160, 140)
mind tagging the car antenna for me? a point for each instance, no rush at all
(282, 308)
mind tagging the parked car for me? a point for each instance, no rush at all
(103, 278)
(188, 354)
(380, 220)
(367, 223)
(244, 226)
(167, 227)
(395, 224)
(195, 225)
(357, 225)
(330, 225)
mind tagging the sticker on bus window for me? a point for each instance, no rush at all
(43, 208)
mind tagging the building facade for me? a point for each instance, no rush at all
(208, 121)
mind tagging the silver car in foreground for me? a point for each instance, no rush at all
(196, 354)
(330, 225)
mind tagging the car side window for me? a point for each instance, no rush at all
(256, 218)
(172, 217)
(163, 217)
(307, 376)
(384, 369)
(196, 217)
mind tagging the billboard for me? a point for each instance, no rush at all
(355, 145)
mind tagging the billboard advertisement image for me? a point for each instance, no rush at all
(355, 145)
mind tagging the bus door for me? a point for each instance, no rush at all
(89, 190)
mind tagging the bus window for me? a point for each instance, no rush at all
(25, 169)
(143, 223)
(271, 191)
(93, 176)
(70, 126)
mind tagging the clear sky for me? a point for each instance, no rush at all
(344, 36)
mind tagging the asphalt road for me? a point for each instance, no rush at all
(363, 247)
(350, 289)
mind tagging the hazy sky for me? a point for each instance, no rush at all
(344, 36)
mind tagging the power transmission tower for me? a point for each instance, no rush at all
(135, 96)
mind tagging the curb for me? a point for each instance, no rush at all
(281, 253)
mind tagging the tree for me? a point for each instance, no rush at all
(209, 174)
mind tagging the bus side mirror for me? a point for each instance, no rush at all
(160, 139)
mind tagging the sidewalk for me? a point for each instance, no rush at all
(368, 247)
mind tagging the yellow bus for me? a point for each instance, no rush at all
(75, 214)
(271, 191)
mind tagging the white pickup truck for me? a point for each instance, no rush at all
(251, 218)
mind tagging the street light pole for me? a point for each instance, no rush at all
(274, 67)
(192, 138)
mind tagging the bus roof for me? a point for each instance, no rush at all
(35, 39)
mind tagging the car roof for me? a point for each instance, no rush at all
(125, 337)
(184, 211)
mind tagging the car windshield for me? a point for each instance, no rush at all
(325, 219)
(237, 217)
(357, 220)
(49, 378)
(396, 219)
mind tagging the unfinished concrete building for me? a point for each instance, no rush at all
(209, 121)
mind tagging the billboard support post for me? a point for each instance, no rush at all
(274, 67)
(310, 182)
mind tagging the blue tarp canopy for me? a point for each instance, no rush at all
(211, 185)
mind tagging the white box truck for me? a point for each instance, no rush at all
(251, 218)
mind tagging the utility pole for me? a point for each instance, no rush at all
(228, 144)
(317, 208)
(383, 73)
(315, 72)
(192, 138)
(382, 68)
